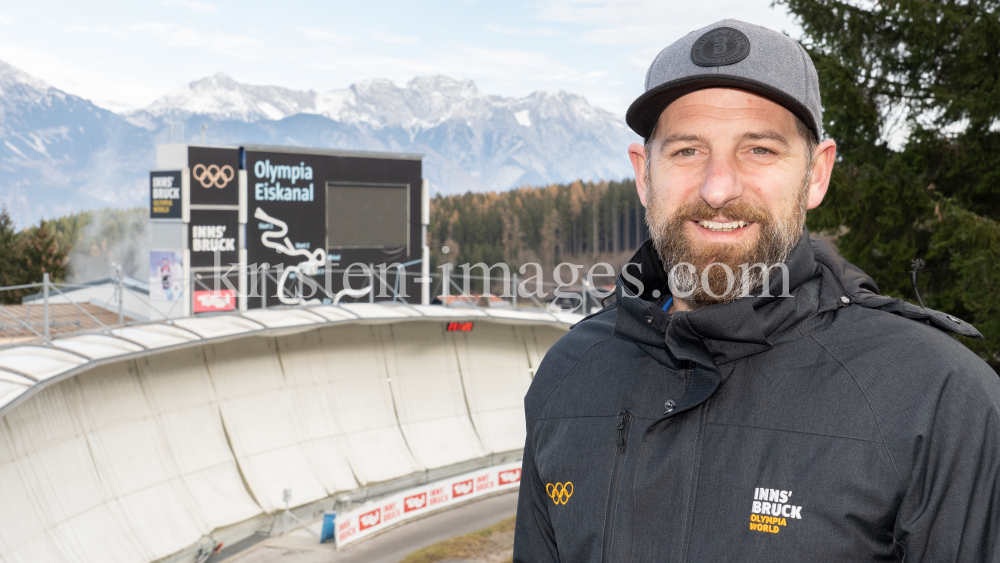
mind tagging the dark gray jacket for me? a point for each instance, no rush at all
(835, 425)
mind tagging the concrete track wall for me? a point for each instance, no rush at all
(137, 459)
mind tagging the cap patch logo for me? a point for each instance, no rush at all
(720, 47)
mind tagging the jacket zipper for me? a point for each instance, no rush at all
(624, 425)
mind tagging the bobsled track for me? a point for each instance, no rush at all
(149, 442)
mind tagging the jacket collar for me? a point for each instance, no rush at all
(722, 333)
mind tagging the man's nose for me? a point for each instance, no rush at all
(722, 182)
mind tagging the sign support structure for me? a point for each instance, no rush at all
(242, 219)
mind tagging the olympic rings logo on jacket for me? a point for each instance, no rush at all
(559, 492)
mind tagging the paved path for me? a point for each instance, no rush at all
(387, 547)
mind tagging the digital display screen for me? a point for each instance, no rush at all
(459, 326)
(367, 216)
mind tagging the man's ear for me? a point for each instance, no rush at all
(823, 159)
(637, 154)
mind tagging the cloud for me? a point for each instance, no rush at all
(323, 35)
(4, 19)
(500, 70)
(642, 22)
(191, 5)
(524, 32)
(234, 45)
(389, 38)
(105, 89)
(114, 32)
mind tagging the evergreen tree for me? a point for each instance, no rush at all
(41, 253)
(10, 262)
(911, 93)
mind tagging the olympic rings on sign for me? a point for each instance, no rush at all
(559, 493)
(212, 174)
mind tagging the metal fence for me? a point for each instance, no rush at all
(71, 308)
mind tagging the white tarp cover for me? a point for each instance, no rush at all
(180, 391)
(430, 399)
(346, 367)
(496, 374)
(12, 386)
(283, 317)
(96, 346)
(137, 459)
(258, 417)
(307, 388)
(83, 494)
(156, 335)
(39, 362)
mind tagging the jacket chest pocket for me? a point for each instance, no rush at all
(763, 492)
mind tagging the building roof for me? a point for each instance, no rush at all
(63, 318)
(135, 285)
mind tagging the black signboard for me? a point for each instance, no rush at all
(165, 195)
(214, 230)
(289, 190)
(214, 175)
(383, 194)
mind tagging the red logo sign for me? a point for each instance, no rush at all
(510, 476)
(210, 301)
(369, 519)
(461, 488)
(416, 502)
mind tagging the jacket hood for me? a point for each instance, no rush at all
(819, 280)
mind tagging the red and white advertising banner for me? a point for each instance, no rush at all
(210, 301)
(356, 524)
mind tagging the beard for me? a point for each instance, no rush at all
(729, 274)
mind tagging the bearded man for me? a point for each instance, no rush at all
(725, 412)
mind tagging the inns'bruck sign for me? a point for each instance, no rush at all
(165, 194)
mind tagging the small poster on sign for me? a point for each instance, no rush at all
(165, 194)
(166, 275)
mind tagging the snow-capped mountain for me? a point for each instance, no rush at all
(471, 140)
(60, 153)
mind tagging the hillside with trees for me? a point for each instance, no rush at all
(580, 223)
(80, 247)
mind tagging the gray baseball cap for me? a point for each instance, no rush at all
(732, 54)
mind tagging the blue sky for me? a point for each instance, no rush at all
(124, 54)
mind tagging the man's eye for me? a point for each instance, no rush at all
(687, 152)
(760, 150)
